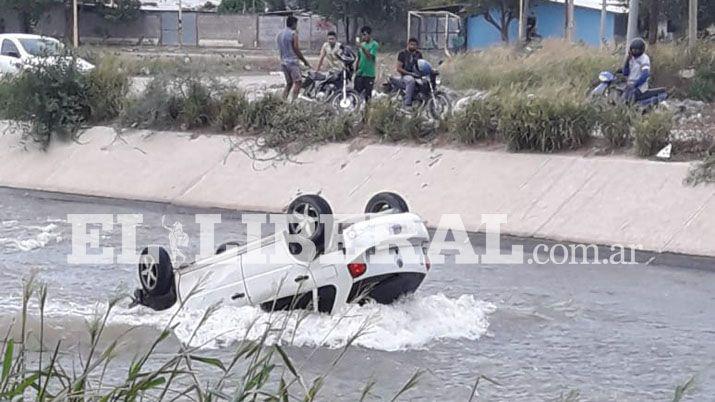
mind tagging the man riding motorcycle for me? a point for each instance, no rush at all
(408, 69)
(637, 69)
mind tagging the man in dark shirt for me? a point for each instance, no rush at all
(407, 67)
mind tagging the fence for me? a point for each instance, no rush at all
(208, 29)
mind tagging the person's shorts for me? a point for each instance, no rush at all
(363, 86)
(291, 72)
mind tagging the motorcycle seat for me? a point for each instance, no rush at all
(317, 75)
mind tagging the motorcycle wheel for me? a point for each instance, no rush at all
(439, 107)
(350, 103)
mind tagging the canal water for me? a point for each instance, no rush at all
(541, 332)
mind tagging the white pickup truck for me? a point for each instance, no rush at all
(315, 262)
(19, 51)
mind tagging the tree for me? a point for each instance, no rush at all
(241, 6)
(354, 12)
(29, 11)
(123, 10)
(507, 11)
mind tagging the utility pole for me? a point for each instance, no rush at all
(604, 14)
(632, 23)
(693, 24)
(75, 24)
(181, 26)
(570, 24)
(522, 22)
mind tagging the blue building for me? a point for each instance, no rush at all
(551, 22)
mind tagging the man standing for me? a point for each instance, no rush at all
(407, 67)
(289, 48)
(367, 59)
(330, 52)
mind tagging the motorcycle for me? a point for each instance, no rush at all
(334, 87)
(612, 86)
(427, 97)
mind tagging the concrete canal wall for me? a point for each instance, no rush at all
(561, 197)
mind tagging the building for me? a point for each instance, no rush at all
(550, 22)
(160, 23)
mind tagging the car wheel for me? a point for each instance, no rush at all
(386, 203)
(225, 246)
(156, 272)
(310, 216)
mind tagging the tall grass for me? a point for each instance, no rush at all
(387, 121)
(554, 65)
(558, 64)
(651, 133)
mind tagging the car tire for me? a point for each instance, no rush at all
(310, 216)
(225, 246)
(156, 273)
(386, 202)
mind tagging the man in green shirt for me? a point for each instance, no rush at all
(367, 59)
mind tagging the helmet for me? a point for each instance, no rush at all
(424, 67)
(637, 47)
(347, 55)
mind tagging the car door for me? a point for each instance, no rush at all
(9, 57)
(274, 277)
(215, 280)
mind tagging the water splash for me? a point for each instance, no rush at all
(412, 323)
(28, 238)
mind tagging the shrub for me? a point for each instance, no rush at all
(702, 172)
(108, 86)
(169, 102)
(297, 126)
(388, 121)
(198, 108)
(478, 121)
(48, 101)
(703, 85)
(340, 127)
(546, 125)
(259, 113)
(155, 107)
(615, 123)
(230, 108)
(651, 133)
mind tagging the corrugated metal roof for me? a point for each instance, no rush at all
(170, 5)
(612, 6)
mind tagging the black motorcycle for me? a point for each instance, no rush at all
(428, 99)
(335, 86)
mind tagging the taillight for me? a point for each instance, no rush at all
(357, 269)
(428, 263)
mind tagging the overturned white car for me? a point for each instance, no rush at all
(316, 261)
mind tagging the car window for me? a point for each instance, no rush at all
(41, 47)
(8, 47)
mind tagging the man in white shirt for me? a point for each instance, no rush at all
(637, 69)
(330, 52)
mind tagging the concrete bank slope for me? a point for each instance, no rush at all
(565, 198)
